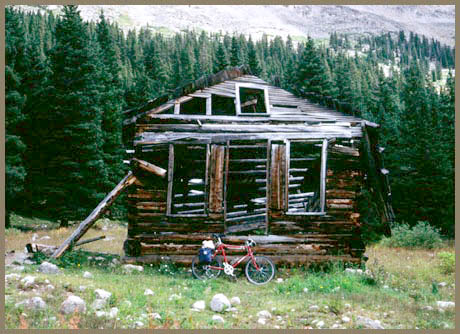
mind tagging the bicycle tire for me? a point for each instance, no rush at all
(202, 271)
(262, 276)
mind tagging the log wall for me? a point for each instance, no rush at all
(154, 235)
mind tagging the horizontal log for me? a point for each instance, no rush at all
(149, 167)
(185, 249)
(186, 260)
(338, 193)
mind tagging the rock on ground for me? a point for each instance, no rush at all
(73, 304)
(129, 268)
(220, 302)
(87, 274)
(264, 314)
(345, 319)
(35, 303)
(28, 281)
(262, 321)
(98, 304)
(218, 318)
(199, 305)
(235, 301)
(313, 308)
(320, 324)
(10, 277)
(48, 268)
(102, 294)
(148, 292)
(368, 323)
(113, 312)
(445, 305)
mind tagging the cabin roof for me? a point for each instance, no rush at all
(283, 104)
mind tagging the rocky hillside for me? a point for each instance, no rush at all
(298, 21)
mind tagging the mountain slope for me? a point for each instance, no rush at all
(297, 20)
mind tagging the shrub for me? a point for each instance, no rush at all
(422, 235)
(447, 264)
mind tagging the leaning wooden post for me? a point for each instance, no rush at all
(97, 212)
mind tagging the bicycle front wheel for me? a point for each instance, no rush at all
(264, 274)
(204, 271)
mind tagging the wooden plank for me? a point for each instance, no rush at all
(322, 193)
(176, 108)
(216, 179)
(170, 179)
(149, 167)
(208, 106)
(97, 212)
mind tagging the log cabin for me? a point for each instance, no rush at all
(232, 154)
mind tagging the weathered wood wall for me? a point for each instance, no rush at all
(292, 238)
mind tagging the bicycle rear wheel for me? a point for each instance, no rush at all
(264, 274)
(203, 271)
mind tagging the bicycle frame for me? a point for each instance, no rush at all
(221, 249)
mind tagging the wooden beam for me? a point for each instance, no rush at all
(170, 179)
(97, 212)
(149, 167)
(208, 106)
(322, 193)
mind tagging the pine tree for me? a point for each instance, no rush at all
(221, 59)
(14, 102)
(235, 58)
(75, 173)
(311, 74)
(111, 105)
(253, 60)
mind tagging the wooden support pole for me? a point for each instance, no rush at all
(149, 167)
(322, 193)
(170, 179)
(97, 212)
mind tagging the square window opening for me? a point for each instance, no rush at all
(252, 100)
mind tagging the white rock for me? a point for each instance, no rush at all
(102, 294)
(313, 308)
(34, 303)
(264, 314)
(47, 281)
(155, 316)
(386, 287)
(18, 268)
(442, 284)
(368, 323)
(50, 287)
(99, 258)
(235, 301)
(219, 303)
(314, 321)
(11, 277)
(87, 274)
(305, 290)
(113, 312)
(359, 271)
(335, 326)
(445, 305)
(100, 314)
(279, 280)
(82, 288)
(347, 305)
(276, 327)
(232, 309)
(199, 305)
(148, 292)
(138, 324)
(48, 268)
(345, 319)
(279, 318)
(28, 281)
(175, 296)
(427, 308)
(99, 304)
(218, 318)
(320, 324)
(129, 268)
(262, 321)
(73, 304)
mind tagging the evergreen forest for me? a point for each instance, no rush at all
(68, 82)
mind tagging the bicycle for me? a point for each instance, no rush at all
(259, 269)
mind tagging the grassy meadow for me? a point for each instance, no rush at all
(400, 289)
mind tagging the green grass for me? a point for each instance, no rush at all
(399, 284)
